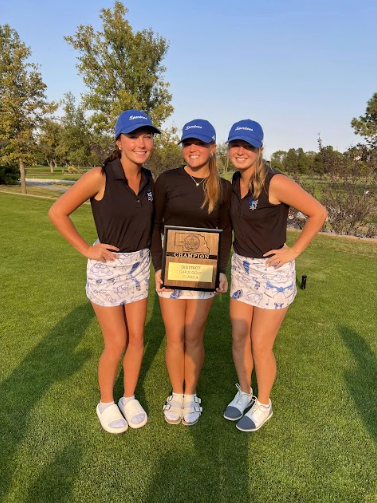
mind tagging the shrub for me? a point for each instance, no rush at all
(9, 175)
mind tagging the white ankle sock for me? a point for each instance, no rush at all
(118, 423)
(171, 415)
(193, 416)
(138, 418)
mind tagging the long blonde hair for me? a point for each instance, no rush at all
(257, 181)
(212, 185)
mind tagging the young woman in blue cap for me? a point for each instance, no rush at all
(121, 196)
(190, 196)
(263, 267)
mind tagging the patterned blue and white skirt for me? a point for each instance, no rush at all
(120, 282)
(257, 284)
(186, 294)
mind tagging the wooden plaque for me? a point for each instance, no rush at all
(190, 258)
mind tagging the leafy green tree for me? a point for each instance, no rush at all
(74, 145)
(167, 154)
(290, 161)
(328, 160)
(223, 162)
(23, 103)
(122, 69)
(48, 143)
(302, 161)
(366, 125)
(277, 160)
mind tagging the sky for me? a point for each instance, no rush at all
(300, 68)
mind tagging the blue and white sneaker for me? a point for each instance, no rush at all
(255, 417)
(239, 404)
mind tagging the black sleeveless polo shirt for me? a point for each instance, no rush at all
(179, 202)
(258, 225)
(123, 218)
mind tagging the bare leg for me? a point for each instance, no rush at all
(173, 313)
(196, 316)
(135, 314)
(115, 336)
(241, 315)
(264, 329)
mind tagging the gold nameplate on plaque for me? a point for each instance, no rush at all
(190, 258)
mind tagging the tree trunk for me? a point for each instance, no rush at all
(51, 164)
(22, 173)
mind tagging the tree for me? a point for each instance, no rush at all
(302, 161)
(290, 161)
(122, 69)
(277, 160)
(366, 125)
(328, 160)
(222, 155)
(74, 139)
(48, 143)
(166, 154)
(23, 101)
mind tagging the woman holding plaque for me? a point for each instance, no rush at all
(263, 267)
(190, 196)
(121, 196)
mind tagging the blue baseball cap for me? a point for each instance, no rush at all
(247, 130)
(130, 120)
(199, 129)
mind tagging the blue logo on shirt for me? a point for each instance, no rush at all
(253, 203)
(149, 195)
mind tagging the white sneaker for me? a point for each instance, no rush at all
(255, 417)
(239, 404)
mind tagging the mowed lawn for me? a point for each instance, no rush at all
(320, 444)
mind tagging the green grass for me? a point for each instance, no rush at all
(53, 193)
(319, 446)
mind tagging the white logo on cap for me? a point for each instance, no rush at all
(197, 127)
(247, 128)
(132, 117)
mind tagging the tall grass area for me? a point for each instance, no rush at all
(320, 444)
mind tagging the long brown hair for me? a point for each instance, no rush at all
(115, 154)
(212, 185)
(257, 181)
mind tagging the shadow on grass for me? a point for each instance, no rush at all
(154, 334)
(56, 480)
(52, 360)
(361, 382)
(212, 464)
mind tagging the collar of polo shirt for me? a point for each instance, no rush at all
(119, 173)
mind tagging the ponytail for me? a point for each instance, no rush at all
(116, 154)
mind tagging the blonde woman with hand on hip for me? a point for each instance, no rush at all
(263, 267)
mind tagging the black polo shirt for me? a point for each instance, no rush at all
(123, 218)
(179, 202)
(258, 225)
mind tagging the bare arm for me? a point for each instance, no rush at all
(89, 185)
(285, 190)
